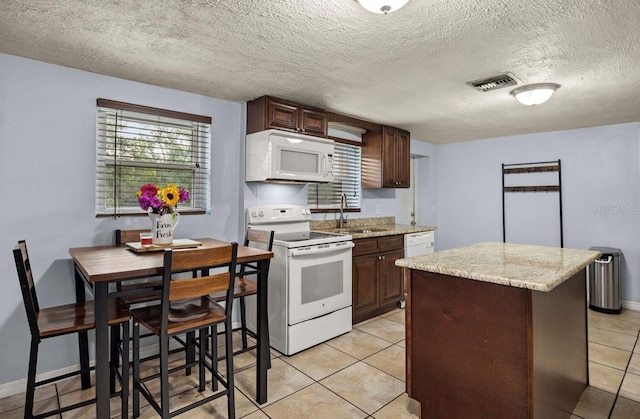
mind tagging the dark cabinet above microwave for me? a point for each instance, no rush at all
(267, 112)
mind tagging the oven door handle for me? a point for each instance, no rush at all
(318, 250)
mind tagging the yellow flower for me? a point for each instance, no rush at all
(170, 194)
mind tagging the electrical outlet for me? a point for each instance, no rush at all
(379, 209)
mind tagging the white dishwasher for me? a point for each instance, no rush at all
(418, 244)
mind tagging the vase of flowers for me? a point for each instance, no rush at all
(161, 204)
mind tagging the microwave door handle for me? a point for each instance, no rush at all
(325, 163)
(316, 250)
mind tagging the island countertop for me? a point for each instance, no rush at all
(538, 268)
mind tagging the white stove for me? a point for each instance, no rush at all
(290, 224)
(309, 297)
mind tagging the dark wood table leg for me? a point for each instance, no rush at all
(101, 290)
(83, 338)
(263, 334)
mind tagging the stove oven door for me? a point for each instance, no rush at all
(319, 279)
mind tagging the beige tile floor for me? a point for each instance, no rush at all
(361, 375)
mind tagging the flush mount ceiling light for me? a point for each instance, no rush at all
(382, 6)
(534, 94)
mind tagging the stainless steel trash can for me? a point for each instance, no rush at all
(604, 281)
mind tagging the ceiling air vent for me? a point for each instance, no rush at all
(493, 83)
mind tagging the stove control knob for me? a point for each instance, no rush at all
(261, 214)
(306, 211)
(253, 214)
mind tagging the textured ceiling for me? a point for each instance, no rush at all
(406, 69)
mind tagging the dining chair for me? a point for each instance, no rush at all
(45, 323)
(244, 286)
(186, 307)
(147, 290)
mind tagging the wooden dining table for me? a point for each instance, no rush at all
(99, 266)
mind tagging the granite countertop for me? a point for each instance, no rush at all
(537, 268)
(361, 228)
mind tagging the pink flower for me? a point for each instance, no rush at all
(155, 202)
(184, 195)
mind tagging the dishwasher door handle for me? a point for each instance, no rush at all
(419, 235)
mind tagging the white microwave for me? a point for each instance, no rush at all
(280, 156)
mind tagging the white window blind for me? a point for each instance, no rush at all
(346, 172)
(136, 145)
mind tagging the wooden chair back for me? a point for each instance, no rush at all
(132, 236)
(128, 236)
(27, 286)
(198, 261)
(263, 239)
(260, 239)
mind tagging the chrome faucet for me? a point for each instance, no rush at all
(343, 204)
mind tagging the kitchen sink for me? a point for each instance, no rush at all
(361, 230)
(365, 230)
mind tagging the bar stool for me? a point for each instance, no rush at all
(63, 320)
(185, 307)
(151, 288)
(244, 286)
(143, 292)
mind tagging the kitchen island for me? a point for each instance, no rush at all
(497, 330)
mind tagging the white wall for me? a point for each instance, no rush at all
(600, 186)
(47, 161)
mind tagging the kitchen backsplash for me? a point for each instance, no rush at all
(353, 222)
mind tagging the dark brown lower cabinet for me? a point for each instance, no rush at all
(483, 350)
(377, 282)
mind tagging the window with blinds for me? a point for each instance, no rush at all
(136, 145)
(346, 173)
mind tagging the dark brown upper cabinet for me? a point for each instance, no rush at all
(267, 112)
(386, 158)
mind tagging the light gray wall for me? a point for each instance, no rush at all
(600, 186)
(47, 161)
(427, 205)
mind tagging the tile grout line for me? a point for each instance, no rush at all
(615, 400)
(318, 382)
(371, 334)
(357, 407)
(358, 359)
